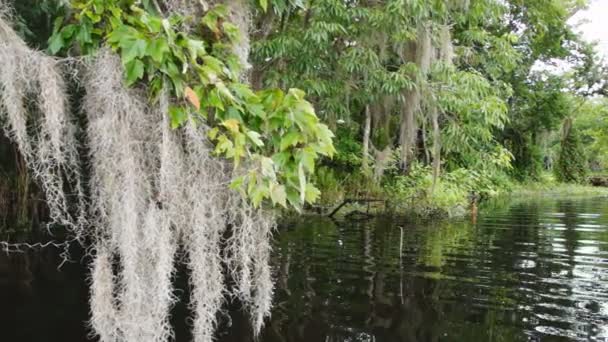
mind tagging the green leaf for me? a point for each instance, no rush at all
(302, 179)
(207, 75)
(281, 159)
(196, 48)
(324, 145)
(312, 193)
(304, 115)
(224, 91)
(225, 146)
(252, 181)
(291, 139)
(264, 5)
(153, 23)
(271, 98)
(213, 133)
(297, 93)
(237, 184)
(68, 32)
(84, 33)
(135, 71)
(256, 110)
(267, 166)
(178, 116)
(278, 194)
(214, 64)
(232, 125)
(244, 92)
(307, 157)
(233, 113)
(157, 50)
(294, 199)
(258, 194)
(137, 49)
(210, 20)
(56, 43)
(215, 100)
(57, 23)
(119, 34)
(170, 69)
(231, 31)
(255, 138)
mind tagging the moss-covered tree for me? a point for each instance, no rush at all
(571, 166)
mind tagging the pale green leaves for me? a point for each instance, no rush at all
(278, 134)
(264, 4)
(290, 139)
(278, 195)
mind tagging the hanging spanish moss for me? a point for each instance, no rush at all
(445, 54)
(240, 16)
(130, 223)
(464, 4)
(410, 101)
(424, 51)
(150, 199)
(419, 52)
(157, 195)
(446, 46)
(34, 101)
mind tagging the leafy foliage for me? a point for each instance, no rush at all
(541, 99)
(452, 195)
(496, 111)
(276, 134)
(494, 107)
(350, 57)
(592, 123)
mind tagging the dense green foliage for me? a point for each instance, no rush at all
(276, 133)
(419, 89)
(592, 122)
(429, 101)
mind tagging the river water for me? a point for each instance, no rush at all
(523, 270)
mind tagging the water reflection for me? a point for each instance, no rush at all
(527, 271)
(535, 270)
(40, 303)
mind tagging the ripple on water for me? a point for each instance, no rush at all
(527, 271)
(533, 270)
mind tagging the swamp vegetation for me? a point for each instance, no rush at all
(161, 134)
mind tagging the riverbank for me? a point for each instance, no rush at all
(453, 199)
(557, 189)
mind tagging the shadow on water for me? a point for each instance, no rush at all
(39, 302)
(528, 271)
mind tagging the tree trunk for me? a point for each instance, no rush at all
(425, 149)
(436, 147)
(407, 131)
(366, 135)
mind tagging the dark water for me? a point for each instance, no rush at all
(534, 270)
